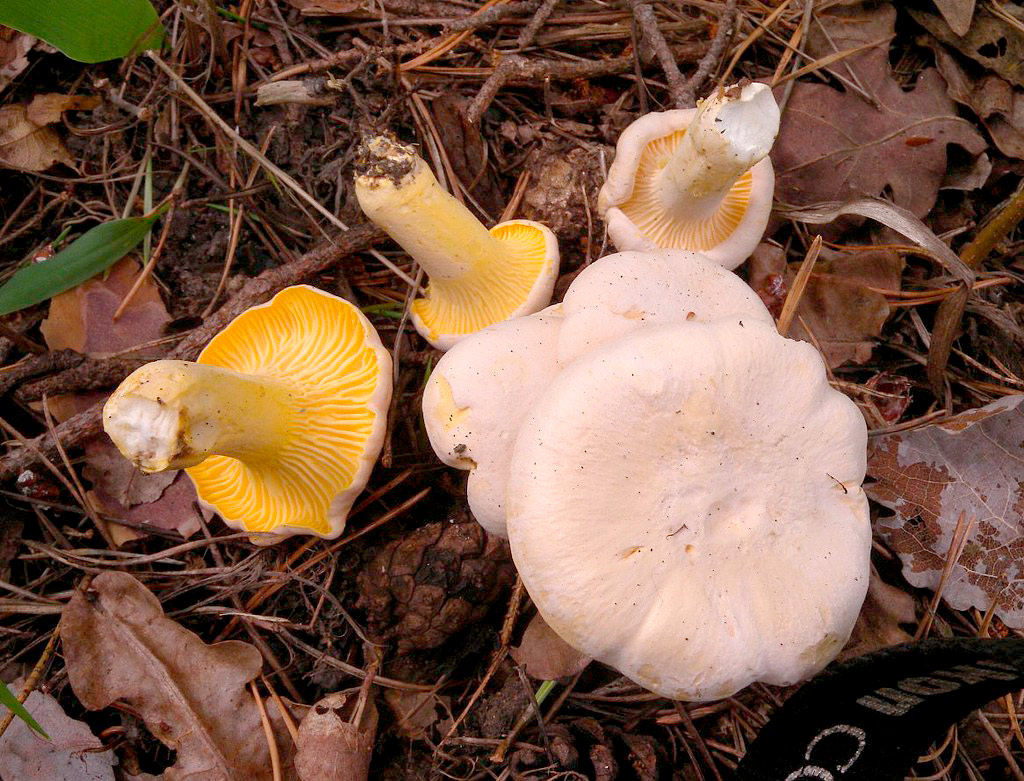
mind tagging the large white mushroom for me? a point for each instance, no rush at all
(697, 179)
(684, 504)
(481, 390)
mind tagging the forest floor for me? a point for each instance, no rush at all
(413, 612)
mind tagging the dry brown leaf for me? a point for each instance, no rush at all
(415, 712)
(544, 655)
(957, 13)
(166, 500)
(73, 753)
(329, 746)
(838, 306)
(46, 108)
(971, 464)
(119, 646)
(14, 48)
(325, 7)
(998, 104)
(836, 146)
(467, 152)
(878, 625)
(82, 318)
(990, 40)
(28, 146)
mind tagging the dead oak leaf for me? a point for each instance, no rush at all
(119, 646)
(546, 656)
(838, 146)
(73, 753)
(28, 146)
(841, 310)
(971, 464)
(14, 49)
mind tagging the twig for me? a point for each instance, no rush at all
(710, 60)
(995, 230)
(649, 25)
(799, 284)
(75, 430)
(33, 678)
(268, 731)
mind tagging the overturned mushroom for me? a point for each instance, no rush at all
(477, 277)
(684, 504)
(482, 389)
(278, 423)
(697, 179)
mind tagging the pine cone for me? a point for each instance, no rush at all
(425, 587)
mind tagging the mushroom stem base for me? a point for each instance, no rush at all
(175, 414)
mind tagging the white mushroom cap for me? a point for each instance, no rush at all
(697, 179)
(625, 291)
(684, 504)
(482, 389)
(479, 393)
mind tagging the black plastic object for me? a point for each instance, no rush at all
(871, 718)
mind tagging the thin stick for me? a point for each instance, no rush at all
(649, 25)
(33, 678)
(268, 731)
(688, 92)
(799, 285)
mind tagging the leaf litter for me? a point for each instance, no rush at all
(432, 596)
(970, 465)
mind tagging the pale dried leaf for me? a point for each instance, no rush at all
(46, 108)
(972, 464)
(998, 104)
(26, 145)
(325, 7)
(14, 48)
(957, 13)
(119, 646)
(415, 712)
(82, 318)
(990, 40)
(878, 625)
(329, 746)
(544, 655)
(73, 753)
(837, 146)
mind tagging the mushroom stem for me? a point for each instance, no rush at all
(174, 414)
(398, 191)
(732, 130)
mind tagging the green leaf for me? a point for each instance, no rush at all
(8, 699)
(95, 251)
(87, 30)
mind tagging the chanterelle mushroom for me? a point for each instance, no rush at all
(697, 179)
(477, 277)
(481, 390)
(684, 504)
(278, 423)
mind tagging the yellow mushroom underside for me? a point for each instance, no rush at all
(645, 210)
(330, 419)
(489, 294)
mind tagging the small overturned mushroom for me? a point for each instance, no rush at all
(477, 277)
(278, 423)
(697, 179)
(685, 505)
(482, 389)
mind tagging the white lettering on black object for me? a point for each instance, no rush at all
(910, 692)
(820, 773)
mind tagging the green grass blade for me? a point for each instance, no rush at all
(95, 251)
(87, 30)
(8, 699)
